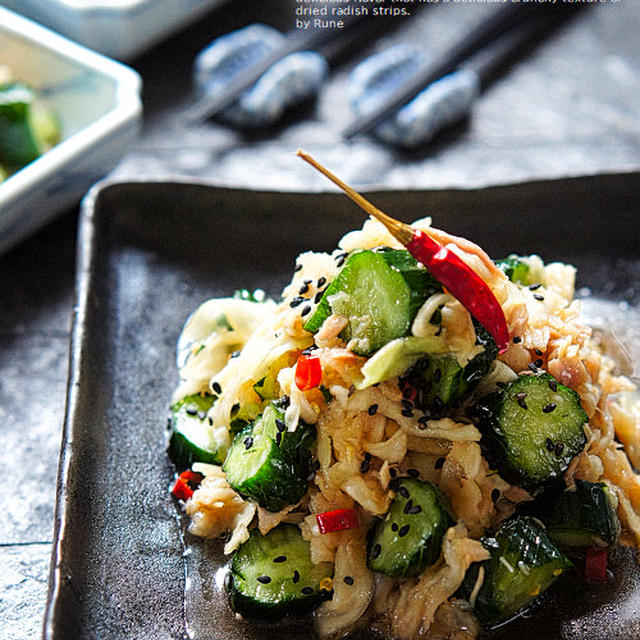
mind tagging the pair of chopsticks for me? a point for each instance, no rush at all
(484, 49)
(295, 40)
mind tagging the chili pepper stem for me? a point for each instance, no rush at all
(402, 232)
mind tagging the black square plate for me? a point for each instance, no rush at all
(150, 252)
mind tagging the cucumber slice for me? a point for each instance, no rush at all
(409, 538)
(441, 383)
(191, 439)
(18, 145)
(524, 563)
(380, 293)
(27, 127)
(269, 464)
(582, 517)
(272, 576)
(516, 269)
(533, 428)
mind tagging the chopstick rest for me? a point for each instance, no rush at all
(291, 80)
(441, 104)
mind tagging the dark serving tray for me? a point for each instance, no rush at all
(150, 252)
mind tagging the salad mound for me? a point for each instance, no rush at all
(373, 456)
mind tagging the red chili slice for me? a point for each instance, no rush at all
(185, 485)
(595, 566)
(337, 520)
(308, 372)
(463, 283)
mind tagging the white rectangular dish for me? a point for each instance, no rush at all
(97, 102)
(120, 29)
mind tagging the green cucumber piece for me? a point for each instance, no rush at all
(441, 383)
(409, 537)
(380, 293)
(532, 429)
(272, 576)
(27, 128)
(584, 516)
(516, 269)
(524, 563)
(191, 439)
(269, 464)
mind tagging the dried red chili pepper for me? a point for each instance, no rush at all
(463, 283)
(452, 272)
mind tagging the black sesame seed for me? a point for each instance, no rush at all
(340, 262)
(248, 442)
(297, 301)
(307, 591)
(394, 526)
(415, 509)
(321, 282)
(414, 473)
(517, 340)
(303, 289)
(537, 296)
(348, 580)
(425, 418)
(202, 415)
(278, 438)
(403, 492)
(235, 354)
(549, 444)
(392, 472)
(495, 494)
(296, 577)
(538, 362)
(264, 579)
(318, 297)
(549, 407)
(298, 267)
(538, 352)
(553, 385)
(280, 426)
(501, 385)
(211, 422)
(523, 403)
(216, 387)
(559, 449)
(407, 413)
(191, 409)
(408, 506)
(372, 410)
(533, 287)
(533, 367)
(306, 309)
(377, 550)
(280, 559)
(285, 401)
(438, 463)
(308, 281)
(367, 456)
(407, 404)
(364, 466)
(521, 394)
(403, 531)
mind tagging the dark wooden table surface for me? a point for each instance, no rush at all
(572, 107)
